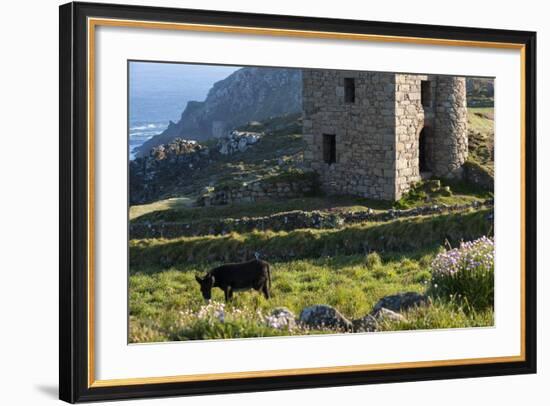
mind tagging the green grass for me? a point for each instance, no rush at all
(481, 118)
(481, 134)
(179, 210)
(461, 193)
(161, 302)
(166, 205)
(322, 203)
(309, 266)
(403, 235)
(440, 314)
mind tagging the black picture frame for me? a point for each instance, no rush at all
(74, 200)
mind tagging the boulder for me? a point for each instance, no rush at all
(365, 324)
(432, 185)
(445, 191)
(323, 317)
(281, 318)
(243, 144)
(384, 314)
(400, 302)
(371, 322)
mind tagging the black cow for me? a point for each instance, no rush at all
(231, 278)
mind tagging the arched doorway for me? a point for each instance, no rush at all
(424, 150)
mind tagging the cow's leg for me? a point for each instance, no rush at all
(230, 293)
(227, 293)
(265, 290)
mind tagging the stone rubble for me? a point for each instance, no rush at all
(237, 141)
(287, 221)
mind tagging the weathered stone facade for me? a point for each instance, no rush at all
(450, 127)
(258, 191)
(374, 134)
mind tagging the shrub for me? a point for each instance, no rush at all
(422, 277)
(466, 274)
(373, 260)
(425, 261)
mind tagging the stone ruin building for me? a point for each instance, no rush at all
(375, 134)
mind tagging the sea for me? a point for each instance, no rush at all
(141, 131)
(159, 92)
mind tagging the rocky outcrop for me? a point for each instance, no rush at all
(324, 317)
(478, 175)
(248, 94)
(237, 141)
(163, 173)
(175, 149)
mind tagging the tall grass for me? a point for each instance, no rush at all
(440, 314)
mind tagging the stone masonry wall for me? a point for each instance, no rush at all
(259, 191)
(409, 121)
(364, 131)
(378, 135)
(450, 128)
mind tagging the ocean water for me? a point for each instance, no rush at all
(159, 92)
(141, 131)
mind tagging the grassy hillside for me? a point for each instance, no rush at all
(349, 267)
(280, 149)
(481, 136)
(308, 267)
(161, 302)
(404, 235)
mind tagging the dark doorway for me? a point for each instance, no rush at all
(424, 155)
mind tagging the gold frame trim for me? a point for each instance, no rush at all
(94, 22)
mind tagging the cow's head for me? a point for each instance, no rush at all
(206, 284)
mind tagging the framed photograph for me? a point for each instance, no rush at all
(258, 202)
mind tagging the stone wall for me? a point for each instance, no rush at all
(288, 221)
(450, 127)
(262, 190)
(409, 121)
(378, 134)
(364, 131)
